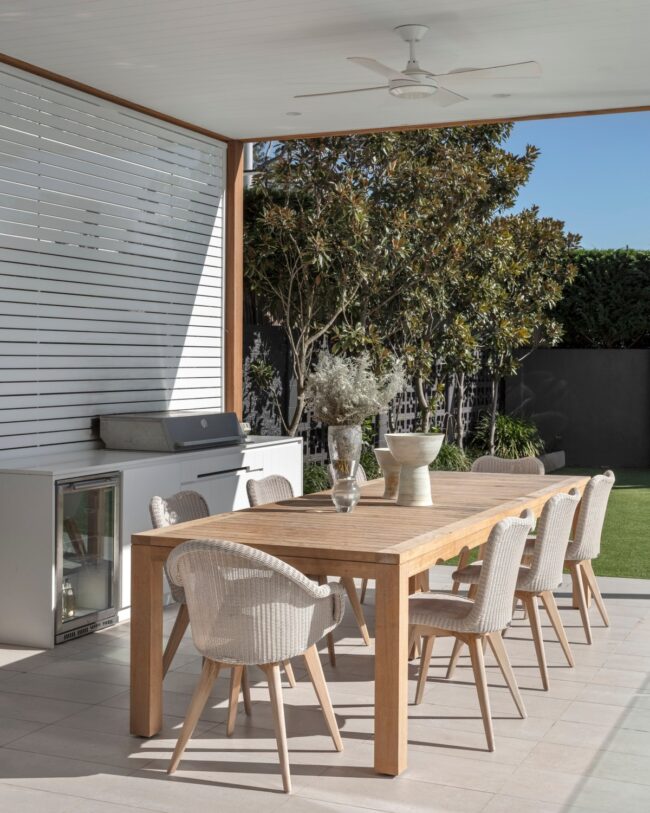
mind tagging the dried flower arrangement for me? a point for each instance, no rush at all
(344, 391)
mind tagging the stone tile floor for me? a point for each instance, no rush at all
(585, 746)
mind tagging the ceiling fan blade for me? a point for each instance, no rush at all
(338, 92)
(443, 97)
(517, 70)
(378, 67)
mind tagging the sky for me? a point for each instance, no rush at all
(593, 173)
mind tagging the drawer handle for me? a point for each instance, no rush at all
(229, 440)
(247, 469)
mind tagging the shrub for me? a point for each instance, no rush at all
(314, 478)
(451, 458)
(608, 304)
(514, 437)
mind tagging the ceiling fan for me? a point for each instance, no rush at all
(416, 83)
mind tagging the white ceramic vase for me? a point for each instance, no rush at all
(415, 451)
(390, 468)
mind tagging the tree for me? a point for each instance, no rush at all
(432, 194)
(525, 261)
(399, 244)
(307, 250)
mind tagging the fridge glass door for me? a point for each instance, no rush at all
(87, 531)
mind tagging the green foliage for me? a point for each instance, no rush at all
(397, 244)
(608, 304)
(451, 458)
(368, 459)
(514, 437)
(307, 249)
(314, 478)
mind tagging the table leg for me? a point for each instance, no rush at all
(391, 670)
(419, 583)
(146, 639)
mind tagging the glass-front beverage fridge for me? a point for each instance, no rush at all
(87, 554)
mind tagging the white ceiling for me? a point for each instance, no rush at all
(233, 66)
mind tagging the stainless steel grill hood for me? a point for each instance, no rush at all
(178, 431)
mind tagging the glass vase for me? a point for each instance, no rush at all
(344, 444)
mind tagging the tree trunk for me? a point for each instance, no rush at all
(425, 410)
(460, 378)
(493, 412)
(294, 423)
(450, 421)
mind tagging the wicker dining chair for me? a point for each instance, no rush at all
(183, 506)
(539, 579)
(276, 488)
(585, 546)
(479, 620)
(249, 608)
(490, 464)
(503, 465)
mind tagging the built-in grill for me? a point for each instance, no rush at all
(178, 431)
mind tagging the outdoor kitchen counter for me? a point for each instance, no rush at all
(97, 461)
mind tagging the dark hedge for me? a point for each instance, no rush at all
(608, 304)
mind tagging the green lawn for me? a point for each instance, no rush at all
(625, 549)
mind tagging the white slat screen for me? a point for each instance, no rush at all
(111, 229)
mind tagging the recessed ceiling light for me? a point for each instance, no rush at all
(501, 95)
(293, 113)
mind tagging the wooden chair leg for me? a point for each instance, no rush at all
(414, 643)
(233, 698)
(501, 654)
(330, 637)
(288, 671)
(315, 670)
(578, 586)
(425, 659)
(548, 600)
(463, 561)
(364, 587)
(331, 651)
(351, 590)
(246, 691)
(590, 576)
(478, 666)
(530, 602)
(197, 704)
(272, 671)
(176, 636)
(453, 661)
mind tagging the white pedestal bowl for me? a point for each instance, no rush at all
(390, 468)
(415, 451)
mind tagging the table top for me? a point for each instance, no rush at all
(465, 506)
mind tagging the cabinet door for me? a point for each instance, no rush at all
(139, 485)
(221, 478)
(284, 459)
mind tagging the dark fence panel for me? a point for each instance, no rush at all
(594, 404)
(267, 343)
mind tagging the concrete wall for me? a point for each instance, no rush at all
(594, 404)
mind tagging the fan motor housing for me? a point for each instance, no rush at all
(422, 87)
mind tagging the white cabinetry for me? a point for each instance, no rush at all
(27, 531)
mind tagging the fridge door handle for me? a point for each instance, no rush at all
(97, 483)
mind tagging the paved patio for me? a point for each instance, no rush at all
(585, 745)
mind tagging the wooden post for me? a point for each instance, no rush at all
(234, 279)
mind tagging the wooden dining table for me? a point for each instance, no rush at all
(379, 540)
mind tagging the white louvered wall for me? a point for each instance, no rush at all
(111, 229)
